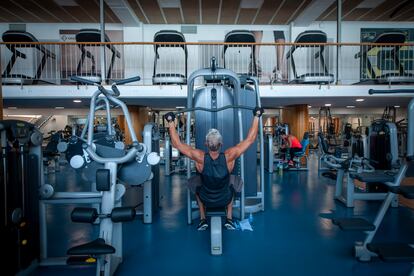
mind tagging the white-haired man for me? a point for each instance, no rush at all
(215, 167)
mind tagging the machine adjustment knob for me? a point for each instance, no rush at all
(153, 158)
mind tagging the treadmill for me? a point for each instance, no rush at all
(241, 36)
(318, 72)
(19, 38)
(387, 59)
(168, 36)
(93, 36)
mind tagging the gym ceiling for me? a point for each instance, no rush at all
(260, 12)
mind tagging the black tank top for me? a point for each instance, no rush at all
(215, 191)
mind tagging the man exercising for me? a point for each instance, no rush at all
(215, 167)
(291, 144)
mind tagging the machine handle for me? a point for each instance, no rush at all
(82, 80)
(128, 80)
(396, 91)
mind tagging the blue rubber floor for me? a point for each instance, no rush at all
(294, 236)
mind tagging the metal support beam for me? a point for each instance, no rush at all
(338, 40)
(1, 91)
(102, 21)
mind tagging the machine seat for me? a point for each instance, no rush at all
(169, 78)
(353, 224)
(91, 77)
(212, 212)
(398, 252)
(315, 78)
(405, 191)
(393, 78)
(371, 177)
(96, 247)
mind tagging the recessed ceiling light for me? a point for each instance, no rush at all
(179, 107)
(350, 106)
(77, 101)
(359, 100)
(59, 107)
(328, 105)
(12, 107)
(309, 106)
(396, 106)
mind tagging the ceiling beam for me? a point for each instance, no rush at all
(257, 13)
(276, 12)
(162, 12)
(219, 12)
(57, 18)
(26, 10)
(20, 19)
(200, 10)
(142, 11)
(124, 12)
(312, 12)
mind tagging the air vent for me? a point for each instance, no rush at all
(17, 27)
(189, 29)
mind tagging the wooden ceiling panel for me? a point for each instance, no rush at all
(210, 10)
(173, 15)
(79, 13)
(246, 16)
(152, 10)
(327, 12)
(137, 10)
(57, 11)
(229, 10)
(190, 11)
(9, 17)
(16, 10)
(90, 8)
(288, 8)
(349, 6)
(401, 14)
(299, 10)
(384, 7)
(34, 8)
(355, 14)
(267, 10)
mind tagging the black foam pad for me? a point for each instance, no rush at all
(103, 180)
(84, 214)
(121, 214)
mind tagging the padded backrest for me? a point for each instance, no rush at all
(311, 37)
(169, 36)
(18, 36)
(238, 36)
(391, 37)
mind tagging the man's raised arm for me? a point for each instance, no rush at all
(234, 152)
(194, 154)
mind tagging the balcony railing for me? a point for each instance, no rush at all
(273, 63)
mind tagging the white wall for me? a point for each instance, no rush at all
(139, 59)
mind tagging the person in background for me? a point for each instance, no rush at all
(290, 144)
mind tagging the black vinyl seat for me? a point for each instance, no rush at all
(93, 36)
(242, 36)
(93, 248)
(20, 38)
(312, 77)
(373, 177)
(169, 36)
(396, 72)
(393, 252)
